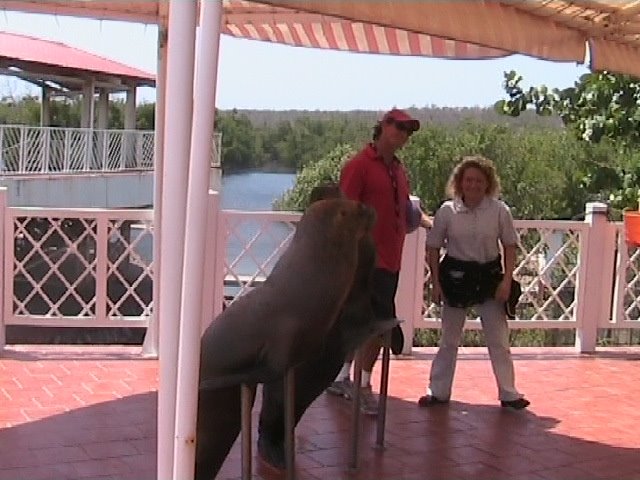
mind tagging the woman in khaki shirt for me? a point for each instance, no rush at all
(472, 227)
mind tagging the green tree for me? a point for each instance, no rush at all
(22, 111)
(601, 107)
(146, 116)
(325, 170)
(537, 166)
(238, 142)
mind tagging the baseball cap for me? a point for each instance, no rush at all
(400, 116)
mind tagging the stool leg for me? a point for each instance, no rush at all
(289, 424)
(246, 400)
(355, 413)
(384, 387)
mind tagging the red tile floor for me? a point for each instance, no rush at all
(90, 413)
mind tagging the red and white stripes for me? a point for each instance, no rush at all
(280, 25)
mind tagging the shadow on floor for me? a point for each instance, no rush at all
(117, 439)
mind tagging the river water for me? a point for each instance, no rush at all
(254, 190)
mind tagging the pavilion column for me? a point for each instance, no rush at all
(88, 91)
(177, 147)
(101, 137)
(86, 121)
(45, 107)
(195, 246)
(103, 109)
(130, 107)
(150, 344)
(129, 146)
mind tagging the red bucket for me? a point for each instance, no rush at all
(632, 226)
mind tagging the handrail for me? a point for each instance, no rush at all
(27, 150)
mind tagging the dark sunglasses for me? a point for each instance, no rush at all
(402, 126)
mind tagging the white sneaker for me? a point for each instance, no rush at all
(341, 388)
(368, 401)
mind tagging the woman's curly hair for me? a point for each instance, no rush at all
(486, 166)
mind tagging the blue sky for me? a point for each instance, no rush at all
(260, 75)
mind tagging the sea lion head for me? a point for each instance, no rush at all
(325, 191)
(338, 219)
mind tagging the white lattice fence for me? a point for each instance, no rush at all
(78, 267)
(57, 151)
(94, 268)
(547, 266)
(10, 148)
(254, 241)
(626, 304)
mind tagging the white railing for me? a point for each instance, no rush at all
(26, 150)
(253, 243)
(548, 267)
(94, 268)
(82, 267)
(574, 275)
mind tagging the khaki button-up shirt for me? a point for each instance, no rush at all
(472, 234)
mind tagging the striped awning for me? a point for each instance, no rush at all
(557, 30)
(246, 19)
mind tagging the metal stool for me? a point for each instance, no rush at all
(289, 414)
(382, 400)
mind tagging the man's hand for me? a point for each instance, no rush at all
(426, 221)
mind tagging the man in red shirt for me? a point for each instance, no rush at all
(376, 177)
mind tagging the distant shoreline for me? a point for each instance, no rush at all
(267, 169)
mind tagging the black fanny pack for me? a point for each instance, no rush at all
(465, 284)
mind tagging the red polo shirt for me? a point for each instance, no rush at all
(368, 179)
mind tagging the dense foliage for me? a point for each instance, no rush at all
(326, 170)
(26, 111)
(547, 171)
(541, 169)
(288, 145)
(601, 107)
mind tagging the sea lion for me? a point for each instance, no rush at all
(355, 324)
(279, 324)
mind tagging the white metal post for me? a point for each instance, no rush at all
(66, 166)
(45, 138)
(620, 278)
(23, 150)
(102, 267)
(3, 243)
(2, 165)
(177, 147)
(195, 239)
(150, 344)
(220, 266)
(410, 297)
(211, 261)
(596, 261)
